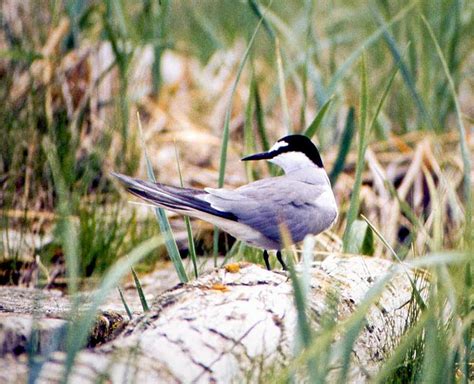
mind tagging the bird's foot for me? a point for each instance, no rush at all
(266, 258)
(280, 259)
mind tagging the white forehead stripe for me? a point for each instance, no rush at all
(278, 145)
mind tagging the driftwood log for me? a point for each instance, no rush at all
(232, 324)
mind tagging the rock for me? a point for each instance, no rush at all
(239, 324)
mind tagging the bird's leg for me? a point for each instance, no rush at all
(280, 259)
(265, 258)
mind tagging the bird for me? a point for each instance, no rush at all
(301, 200)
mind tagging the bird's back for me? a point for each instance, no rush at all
(302, 202)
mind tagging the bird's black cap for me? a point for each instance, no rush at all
(291, 143)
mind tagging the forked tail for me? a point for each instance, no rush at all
(181, 200)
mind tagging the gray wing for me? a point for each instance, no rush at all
(265, 204)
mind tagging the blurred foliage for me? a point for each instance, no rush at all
(319, 43)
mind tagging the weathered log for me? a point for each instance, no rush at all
(238, 325)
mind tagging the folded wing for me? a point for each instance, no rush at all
(268, 204)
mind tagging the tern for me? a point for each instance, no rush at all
(301, 200)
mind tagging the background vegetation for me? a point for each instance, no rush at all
(384, 88)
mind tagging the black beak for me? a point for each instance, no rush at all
(258, 156)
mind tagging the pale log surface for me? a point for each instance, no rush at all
(234, 327)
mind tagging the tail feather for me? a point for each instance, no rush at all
(172, 198)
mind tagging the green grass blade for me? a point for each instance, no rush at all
(320, 92)
(361, 239)
(408, 211)
(21, 55)
(347, 139)
(213, 36)
(362, 145)
(139, 288)
(304, 328)
(416, 292)
(344, 147)
(260, 114)
(163, 222)
(124, 302)
(74, 10)
(249, 142)
(350, 336)
(257, 11)
(304, 333)
(316, 123)
(225, 133)
(121, 17)
(170, 243)
(260, 120)
(437, 258)
(382, 239)
(307, 260)
(397, 356)
(384, 97)
(187, 221)
(353, 325)
(465, 152)
(467, 311)
(281, 86)
(307, 55)
(192, 246)
(160, 34)
(434, 363)
(116, 31)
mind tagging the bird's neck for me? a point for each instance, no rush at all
(293, 161)
(311, 175)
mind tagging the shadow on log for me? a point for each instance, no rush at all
(237, 324)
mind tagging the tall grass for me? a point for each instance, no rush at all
(300, 292)
(191, 245)
(361, 148)
(466, 156)
(68, 232)
(344, 147)
(117, 32)
(225, 131)
(163, 221)
(79, 329)
(410, 361)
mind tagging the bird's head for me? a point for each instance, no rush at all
(291, 153)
